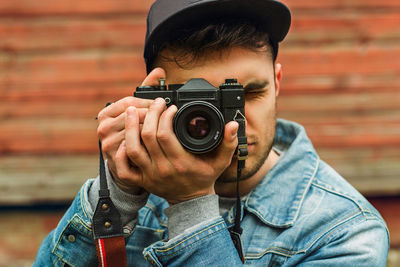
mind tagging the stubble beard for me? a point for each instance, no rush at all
(230, 174)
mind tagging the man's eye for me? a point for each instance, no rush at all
(255, 92)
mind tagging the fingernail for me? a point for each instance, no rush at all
(131, 111)
(235, 130)
(159, 100)
(173, 108)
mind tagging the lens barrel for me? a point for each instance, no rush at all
(199, 126)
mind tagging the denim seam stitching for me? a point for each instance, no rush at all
(288, 253)
(211, 226)
(54, 250)
(342, 195)
(82, 195)
(306, 191)
(333, 230)
(275, 250)
(191, 245)
(59, 241)
(81, 222)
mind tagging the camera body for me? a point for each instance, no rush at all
(203, 110)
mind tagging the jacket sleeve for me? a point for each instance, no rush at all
(205, 244)
(198, 237)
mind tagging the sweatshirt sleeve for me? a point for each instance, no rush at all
(127, 204)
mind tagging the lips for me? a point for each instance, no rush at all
(251, 146)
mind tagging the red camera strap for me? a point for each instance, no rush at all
(111, 252)
(107, 226)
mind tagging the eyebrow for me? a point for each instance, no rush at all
(255, 84)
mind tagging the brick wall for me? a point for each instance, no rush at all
(61, 61)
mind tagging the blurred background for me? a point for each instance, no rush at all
(61, 61)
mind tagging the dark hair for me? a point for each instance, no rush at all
(189, 45)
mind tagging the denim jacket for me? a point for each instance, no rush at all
(301, 214)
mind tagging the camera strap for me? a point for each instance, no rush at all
(242, 154)
(107, 226)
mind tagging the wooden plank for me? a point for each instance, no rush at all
(322, 61)
(373, 171)
(48, 136)
(59, 92)
(88, 66)
(49, 35)
(339, 102)
(35, 179)
(50, 109)
(344, 29)
(72, 7)
(293, 84)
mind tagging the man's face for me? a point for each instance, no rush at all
(255, 71)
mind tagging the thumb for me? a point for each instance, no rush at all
(154, 77)
(230, 142)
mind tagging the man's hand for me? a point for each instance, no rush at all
(111, 131)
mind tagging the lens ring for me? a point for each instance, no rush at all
(211, 138)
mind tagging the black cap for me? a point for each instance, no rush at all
(167, 16)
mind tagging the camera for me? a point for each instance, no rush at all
(203, 110)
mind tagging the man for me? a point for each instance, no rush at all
(177, 207)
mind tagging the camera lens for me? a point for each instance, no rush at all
(199, 126)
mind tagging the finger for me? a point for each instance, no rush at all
(123, 170)
(110, 125)
(119, 107)
(111, 143)
(134, 149)
(149, 130)
(154, 77)
(166, 136)
(229, 143)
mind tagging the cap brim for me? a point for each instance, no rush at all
(272, 16)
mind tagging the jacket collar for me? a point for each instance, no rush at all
(277, 200)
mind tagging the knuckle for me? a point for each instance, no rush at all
(133, 153)
(147, 134)
(101, 132)
(103, 129)
(106, 145)
(162, 136)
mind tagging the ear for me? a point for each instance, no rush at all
(278, 77)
